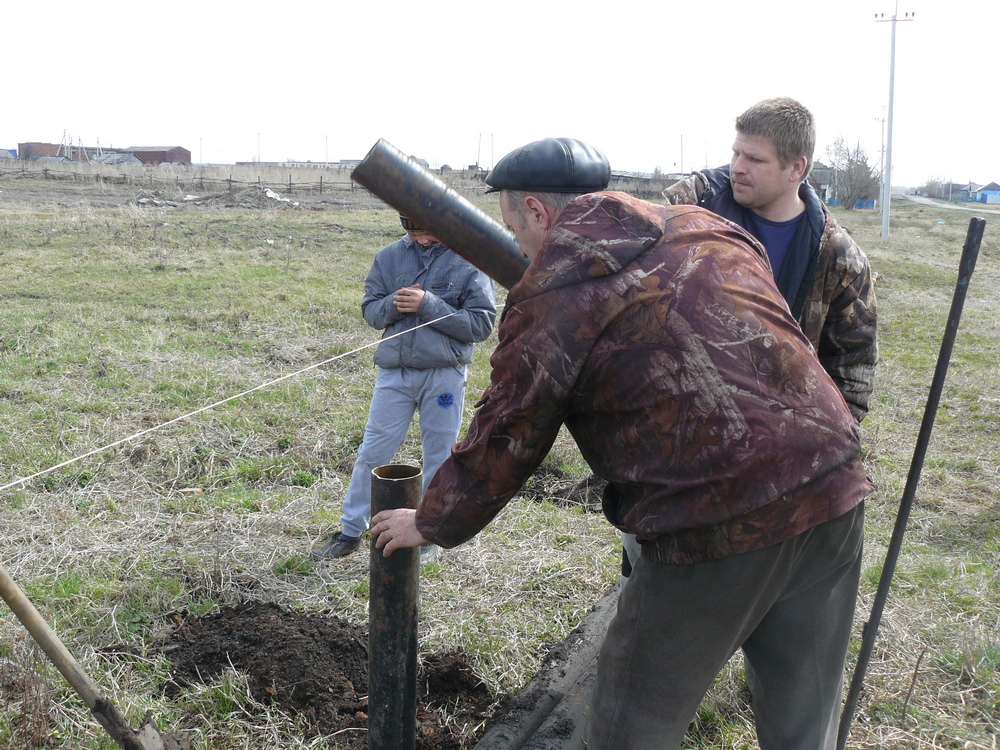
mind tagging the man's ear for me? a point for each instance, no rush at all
(799, 169)
(538, 214)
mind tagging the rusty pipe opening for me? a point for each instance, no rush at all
(412, 190)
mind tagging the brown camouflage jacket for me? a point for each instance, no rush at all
(833, 299)
(657, 335)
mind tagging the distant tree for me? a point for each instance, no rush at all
(854, 178)
(935, 187)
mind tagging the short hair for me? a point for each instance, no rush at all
(555, 201)
(786, 123)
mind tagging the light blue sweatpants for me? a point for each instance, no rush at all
(438, 395)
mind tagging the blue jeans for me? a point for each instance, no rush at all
(789, 607)
(438, 395)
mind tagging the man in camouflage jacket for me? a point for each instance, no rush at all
(657, 335)
(825, 278)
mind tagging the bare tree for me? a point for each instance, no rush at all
(854, 178)
(935, 187)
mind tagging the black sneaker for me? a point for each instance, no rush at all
(336, 546)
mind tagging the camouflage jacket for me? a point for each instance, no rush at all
(826, 281)
(657, 335)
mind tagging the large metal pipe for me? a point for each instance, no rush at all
(392, 620)
(417, 194)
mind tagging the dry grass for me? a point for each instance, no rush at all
(118, 318)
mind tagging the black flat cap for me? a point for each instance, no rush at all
(552, 165)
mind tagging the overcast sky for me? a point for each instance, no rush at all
(458, 82)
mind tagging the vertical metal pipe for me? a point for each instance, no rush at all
(966, 265)
(417, 194)
(392, 620)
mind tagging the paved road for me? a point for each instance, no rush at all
(974, 207)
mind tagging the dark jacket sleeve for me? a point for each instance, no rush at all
(515, 424)
(847, 345)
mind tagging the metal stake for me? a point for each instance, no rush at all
(392, 620)
(965, 268)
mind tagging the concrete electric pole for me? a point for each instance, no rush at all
(887, 173)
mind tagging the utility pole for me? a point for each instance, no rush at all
(881, 158)
(887, 174)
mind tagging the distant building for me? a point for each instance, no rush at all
(823, 179)
(158, 154)
(988, 193)
(966, 191)
(144, 154)
(34, 150)
(116, 159)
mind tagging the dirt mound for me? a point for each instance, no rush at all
(316, 667)
(549, 482)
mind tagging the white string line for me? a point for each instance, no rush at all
(37, 474)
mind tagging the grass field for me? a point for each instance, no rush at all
(118, 318)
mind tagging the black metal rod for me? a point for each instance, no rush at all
(970, 252)
(392, 620)
(409, 188)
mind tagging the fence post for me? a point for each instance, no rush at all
(45, 173)
(230, 183)
(393, 586)
(321, 184)
(289, 184)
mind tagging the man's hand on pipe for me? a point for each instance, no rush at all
(396, 529)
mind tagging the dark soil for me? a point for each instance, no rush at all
(549, 482)
(315, 667)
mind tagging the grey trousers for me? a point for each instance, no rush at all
(438, 395)
(789, 607)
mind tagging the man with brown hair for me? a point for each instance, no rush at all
(657, 336)
(822, 274)
(820, 271)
